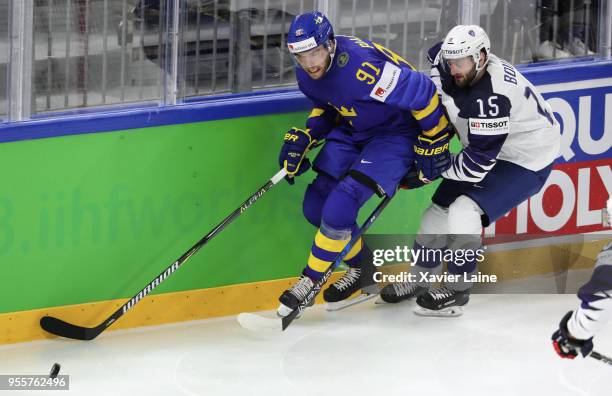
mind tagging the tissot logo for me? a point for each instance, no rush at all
(482, 124)
(491, 126)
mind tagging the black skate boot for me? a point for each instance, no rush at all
(396, 292)
(291, 298)
(442, 302)
(353, 280)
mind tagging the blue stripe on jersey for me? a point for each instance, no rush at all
(601, 281)
(476, 160)
(596, 296)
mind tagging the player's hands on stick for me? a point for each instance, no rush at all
(411, 181)
(568, 347)
(297, 143)
(432, 155)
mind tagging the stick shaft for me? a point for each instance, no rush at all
(65, 329)
(318, 285)
(601, 358)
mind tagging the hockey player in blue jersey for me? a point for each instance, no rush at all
(510, 140)
(372, 108)
(577, 328)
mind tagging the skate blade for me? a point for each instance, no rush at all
(379, 301)
(449, 312)
(337, 306)
(255, 322)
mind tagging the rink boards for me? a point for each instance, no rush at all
(89, 217)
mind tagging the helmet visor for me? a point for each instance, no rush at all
(458, 65)
(316, 57)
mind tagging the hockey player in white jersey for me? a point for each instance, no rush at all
(577, 328)
(510, 139)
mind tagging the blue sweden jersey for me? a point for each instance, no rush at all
(374, 90)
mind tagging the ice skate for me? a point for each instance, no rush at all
(443, 302)
(355, 279)
(396, 292)
(292, 297)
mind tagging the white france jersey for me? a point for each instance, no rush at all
(501, 117)
(596, 296)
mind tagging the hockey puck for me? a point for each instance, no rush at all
(55, 369)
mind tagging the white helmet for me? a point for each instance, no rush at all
(466, 40)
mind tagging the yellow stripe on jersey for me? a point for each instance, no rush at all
(316, 112)
(331, 245)
(393, 57)
(354, 250)
(425, 139)
(433, 104)
(443, 123)
(317, 264)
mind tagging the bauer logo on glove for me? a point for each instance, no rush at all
(430, 151)
(432, 156)
(291, 137)
(297, 143)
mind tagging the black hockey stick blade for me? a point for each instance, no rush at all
(312, 294)
(64, 329)
(601, 358)
(286, 321)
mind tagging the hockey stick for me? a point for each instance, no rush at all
(68, 330)
(252, 321)
(601, 358)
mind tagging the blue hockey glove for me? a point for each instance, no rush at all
(432, 155)
(568, 347)
(297, 143)
(411, 181)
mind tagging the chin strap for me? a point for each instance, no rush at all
(331, 57)
(479, 71)
(477, 61)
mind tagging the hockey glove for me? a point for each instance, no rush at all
(297, 143)
(411, 181)
(432, 155)
(568, 347)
